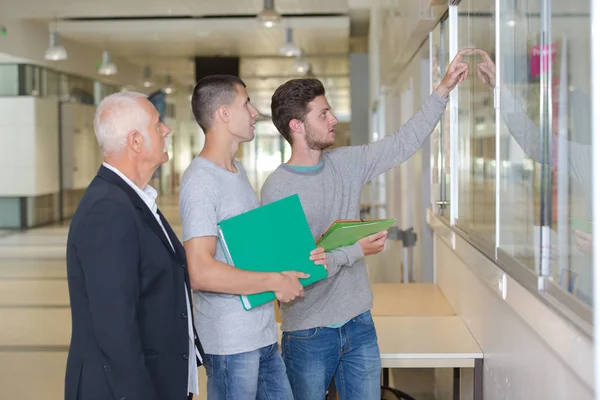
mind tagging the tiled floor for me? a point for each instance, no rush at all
(35, 317)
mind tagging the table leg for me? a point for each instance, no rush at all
(456, 385)
(478, 380)
(385, 375)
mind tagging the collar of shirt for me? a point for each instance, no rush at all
(148, 194)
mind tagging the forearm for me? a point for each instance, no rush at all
(343, 257)
(399, 147)
(218, 277)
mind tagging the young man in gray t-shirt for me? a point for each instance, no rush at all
(242, 360)
(331, 332)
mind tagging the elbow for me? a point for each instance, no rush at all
(197, 279)
(195, 283)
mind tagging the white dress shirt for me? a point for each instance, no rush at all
(148, 195)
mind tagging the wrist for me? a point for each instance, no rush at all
(442, 91)
(273, 281)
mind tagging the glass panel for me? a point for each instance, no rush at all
(440, 138)
(9, 80)
(520, 176)
(571, 147)
(51, 84)
(476, 125)
(32, 80)
(549, 70)
(81, 90)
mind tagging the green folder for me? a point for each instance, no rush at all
(347, 232)
(272, 238)
(582, 225)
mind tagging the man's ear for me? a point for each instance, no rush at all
(296, 126)
(223, 113)
(135, 140)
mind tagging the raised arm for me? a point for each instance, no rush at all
(385, 154)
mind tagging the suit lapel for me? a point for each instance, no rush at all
(137, 201)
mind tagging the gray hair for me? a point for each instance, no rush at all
(116, 116)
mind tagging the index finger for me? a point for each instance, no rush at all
(318, 250)
(378, 235)
(483, 54)
(459, 56)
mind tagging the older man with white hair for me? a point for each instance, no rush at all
(133, 337)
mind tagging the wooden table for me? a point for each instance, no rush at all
(425, 342)
(417, 328)
(410, 299)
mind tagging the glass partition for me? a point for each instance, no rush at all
(522, 162)
(51, 84)
(571, 146)
(476, 126)
(33, 80)
(440, 138)
(520, 153)
(9, 80)
(545, 204)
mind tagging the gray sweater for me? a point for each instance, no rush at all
(333, 192)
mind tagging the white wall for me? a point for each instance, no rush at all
(530, 352)
(28, 146)
(80, 153)
(46, 162)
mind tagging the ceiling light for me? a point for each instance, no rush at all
(289, 48)
(107, 67)
(301, 66)
(55, 52)
(511, 22)
(169, 89)
(269, 17)
(147, 74)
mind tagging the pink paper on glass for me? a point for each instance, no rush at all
(539, 64)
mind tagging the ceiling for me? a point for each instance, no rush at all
(167, 35)
(137, 8)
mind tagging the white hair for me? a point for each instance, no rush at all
(117, 115)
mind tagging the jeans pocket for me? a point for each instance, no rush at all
(302, 334)
(365, 319)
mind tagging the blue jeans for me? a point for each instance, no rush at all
(258, 374)
(349, 353)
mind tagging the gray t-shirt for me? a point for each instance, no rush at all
(208, 195)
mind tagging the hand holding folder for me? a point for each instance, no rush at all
(281, 227)
(347, 232)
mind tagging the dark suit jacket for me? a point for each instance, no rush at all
(126, 285)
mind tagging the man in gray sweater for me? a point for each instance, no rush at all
(330, 332)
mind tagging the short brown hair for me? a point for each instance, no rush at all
(290, 101)
(210, 93)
